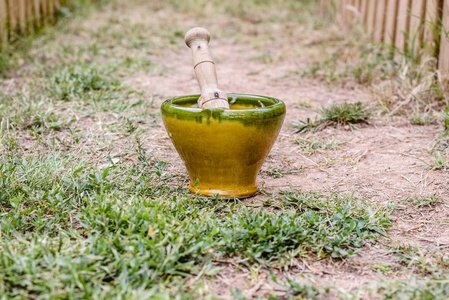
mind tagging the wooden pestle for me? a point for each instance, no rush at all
(211, 97)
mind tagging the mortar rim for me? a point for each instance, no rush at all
(277, 104)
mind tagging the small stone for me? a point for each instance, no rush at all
(346, 127)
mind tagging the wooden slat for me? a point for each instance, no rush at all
(3, 24)
(21, 7)
(321, 7)
(51, 10)
(44, 11)
(344, 12)
(37, 13)
(13, 16)
(431, 27)
(417, 15)
(444, 46)
(390, 22)
(403, 17)
(354, 10)
(371, 18)
(358, 6)
(351, 11)
(379, 21)
(22, 17)
(339, 4)
(29, 17)
(364, 11)
(325, 6)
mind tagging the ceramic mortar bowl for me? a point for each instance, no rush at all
(223, 150)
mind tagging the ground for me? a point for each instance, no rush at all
(134, 51)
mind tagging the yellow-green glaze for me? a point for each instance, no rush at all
(224, 149)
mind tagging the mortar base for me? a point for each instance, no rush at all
(229, 194)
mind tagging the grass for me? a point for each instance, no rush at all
(335, 114)
(441, 162)
(429, 200)
(278, 172)
(405, 82)
(73, 229)
(432, 263)
(312, 145)
(441, 147)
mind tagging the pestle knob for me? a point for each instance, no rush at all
(211, 97)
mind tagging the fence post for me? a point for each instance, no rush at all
(417, 15)
(3, 24)
(13, 17)
(344, 12)
(363, 11)
(44, 10)
(390, 22)
(22, 16)
(403, 18)
(431, 27)
(358, 6)
(444, 41)
(29, 17)
(51, 11)
(371, 17)
(379, 21)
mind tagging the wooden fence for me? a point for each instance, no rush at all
(22, 17)
(409, 25)
(412, 26)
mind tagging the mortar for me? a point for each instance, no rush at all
(223, 149)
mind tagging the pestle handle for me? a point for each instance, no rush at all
(197, 40)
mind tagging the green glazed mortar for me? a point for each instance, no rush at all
(223, 149)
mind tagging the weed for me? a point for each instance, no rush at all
(302, 290)
(345, 113)
(442, 143)
(423, 201)
(381, 267)
(340, 114)
(277, 172)
(297, 290)
(441, 162)
(308, 125)
(39, 112)
(312, 145)
(418, 119)
(70, 83)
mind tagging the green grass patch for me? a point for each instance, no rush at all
(335, 114)
(418, 202)
(73, 229)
